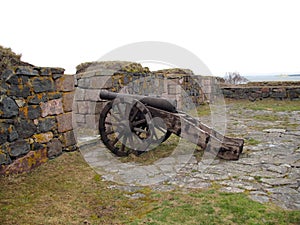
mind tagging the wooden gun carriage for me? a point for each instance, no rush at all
(136, 123)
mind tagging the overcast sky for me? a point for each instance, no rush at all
(227, 35)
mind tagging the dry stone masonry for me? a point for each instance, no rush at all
(278, 91)
(35, 117)
(36, 103)
(133, 78)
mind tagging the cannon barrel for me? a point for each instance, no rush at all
(156, 102)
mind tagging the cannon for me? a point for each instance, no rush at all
(136, 124)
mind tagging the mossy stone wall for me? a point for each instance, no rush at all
(35, 116)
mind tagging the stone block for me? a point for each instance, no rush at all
(98, 82)
(79, 118)
(75, 108)
(56, 76)
(292, 94)
(47, 124)
(54, 148)
(19, 91)
(42, 84)
(12, 79)
(4, 148)
(25, 128)
(92, 121)
(297, 90)
(65, 83)
(54, 95)
(265, 90)
(4, 158)
(30, 112)
(57, 70)
(12, 134)
(43, 137)
(64, 122)
(52, 107)
(3, 133)
(45, 71)
(37, 98)
(79, 94)
(68, 139)
(279, 93)
(37, 146)
(25, 164)
(8, 107)
(7, 74)
(3, 89)
(67, 101)
(83, 83)
(92, 95)
(27, 70)
(18, 148)
(20, 102)
(83, 107)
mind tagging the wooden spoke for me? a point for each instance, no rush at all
(115, 117)
(120, 111)
(117, 139)
(109, 132)
(127, 111)
(125, 126)
(111, 123)
(123, 144)
(134, 114)
(139, 122)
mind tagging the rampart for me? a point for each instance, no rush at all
(35, 115)
(41, 107)
(262, 90)
(180, 85)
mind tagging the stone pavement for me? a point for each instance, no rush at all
(268, 170)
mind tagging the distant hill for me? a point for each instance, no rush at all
(9, 59)
(294, 75)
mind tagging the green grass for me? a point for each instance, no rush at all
(64, 191)
(212, 207)
(269, 117)
(252, 141)
(203, 110)
(161, 151)
(67, 191)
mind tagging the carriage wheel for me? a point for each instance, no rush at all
(126, 126)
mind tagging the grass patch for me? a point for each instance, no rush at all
(269, 117)
(212, 207)
(67, 191)
(203, 110)
(163, 150)
(258, 178)
(252, 141)
(64, 191)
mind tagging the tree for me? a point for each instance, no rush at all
(235, 78)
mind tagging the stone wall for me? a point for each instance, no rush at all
(260, 92)
(36, 104)
(130, 77)
(35, 117)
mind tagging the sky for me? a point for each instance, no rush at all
(249, 37)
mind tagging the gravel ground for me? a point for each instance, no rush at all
(268, 170)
